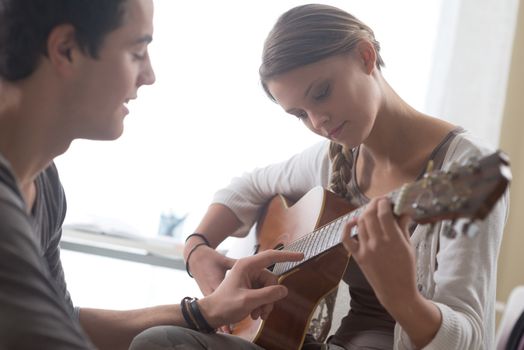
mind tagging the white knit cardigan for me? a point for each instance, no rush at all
(460, 278)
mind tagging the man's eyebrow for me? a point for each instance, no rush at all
(144, 39)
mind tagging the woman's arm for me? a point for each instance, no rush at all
(236, 208)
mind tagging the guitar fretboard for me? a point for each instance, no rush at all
(323, 238)
(316, 242)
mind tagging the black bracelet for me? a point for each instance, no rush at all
(189, 255)
(204, 238)
(185, 313)
(201, 322)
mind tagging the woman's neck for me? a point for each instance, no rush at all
(401, 133)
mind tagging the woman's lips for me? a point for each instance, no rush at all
(335, 132)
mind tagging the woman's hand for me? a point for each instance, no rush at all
(386, 257)
(248, 289)
(384, 253)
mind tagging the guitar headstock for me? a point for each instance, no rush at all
(467, 191)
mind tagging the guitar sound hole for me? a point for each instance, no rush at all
(279, 246)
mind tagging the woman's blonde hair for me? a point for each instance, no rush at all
(307, 34)
(341, 169)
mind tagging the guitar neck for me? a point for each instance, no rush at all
(465, 191)
(323, 238)
(316, 242)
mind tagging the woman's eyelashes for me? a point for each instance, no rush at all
(322, 92)
(301, 116)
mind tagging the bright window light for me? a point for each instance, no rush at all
(207, 119)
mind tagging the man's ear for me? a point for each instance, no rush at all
(367, 55)
(62, 48)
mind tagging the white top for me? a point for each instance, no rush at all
(463, 286)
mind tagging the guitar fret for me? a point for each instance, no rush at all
(325, 233)
(308, 253)
(314, 243)
(321, 241)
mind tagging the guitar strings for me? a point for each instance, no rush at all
(321, 239)
(313, 243)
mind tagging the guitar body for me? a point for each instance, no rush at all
(282, 223)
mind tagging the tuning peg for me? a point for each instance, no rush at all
(419, 209)
(448, 229)
(426, 179)
(454, 167)
(473, 163)
(453, 170)
(473, 230)
(461, 226)
(467, 227)
(437, 205)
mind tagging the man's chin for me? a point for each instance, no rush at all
(104, 135)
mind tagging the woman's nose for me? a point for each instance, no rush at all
(318, 119)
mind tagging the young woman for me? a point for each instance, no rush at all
(409, 288)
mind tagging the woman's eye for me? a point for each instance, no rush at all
(301, 116)
(322, 93)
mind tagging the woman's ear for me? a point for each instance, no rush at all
(367, 55)
(62, 47)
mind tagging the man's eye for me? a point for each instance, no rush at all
(139, 56)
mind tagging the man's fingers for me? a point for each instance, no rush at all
(265, 295)
(270, 257)
(256, 313)
(266, 278)
(229, 262)
(266, 310)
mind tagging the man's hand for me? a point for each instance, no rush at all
(209, 268)
(248, 289)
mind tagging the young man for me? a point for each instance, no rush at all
(67, 70)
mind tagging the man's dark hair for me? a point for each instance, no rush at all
(26, 24)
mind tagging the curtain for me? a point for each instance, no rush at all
(471, 64)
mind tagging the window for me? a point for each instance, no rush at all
(207, 119)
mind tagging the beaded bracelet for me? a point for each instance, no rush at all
(189, 255)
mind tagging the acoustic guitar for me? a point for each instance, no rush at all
(314, 225)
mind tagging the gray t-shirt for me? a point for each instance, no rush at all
(47, 216)
(35, 309)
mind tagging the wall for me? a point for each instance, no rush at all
(511, 262)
